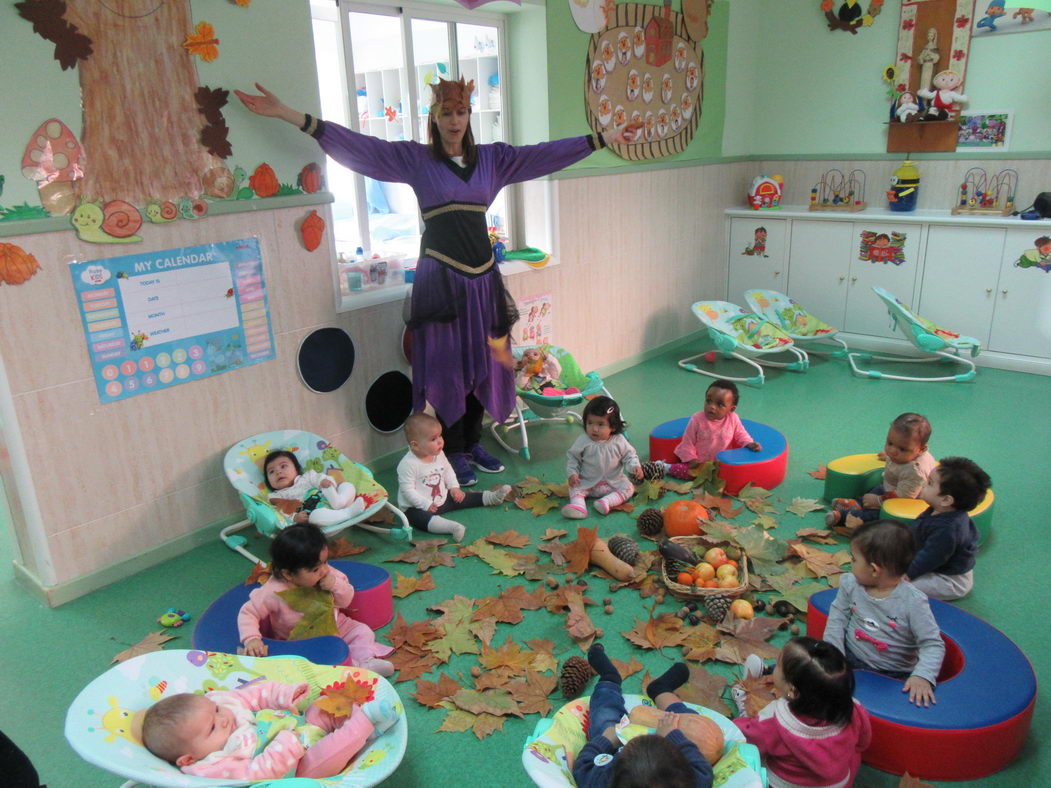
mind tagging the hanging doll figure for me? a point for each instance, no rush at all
(907, 108)
(943, 97)
(539, 371)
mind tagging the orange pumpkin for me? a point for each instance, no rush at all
(702, 731)
(310, 178)
(312, 230)
(264, 181)
(683, 518)
(16, 264)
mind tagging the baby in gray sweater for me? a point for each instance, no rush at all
(880, 621)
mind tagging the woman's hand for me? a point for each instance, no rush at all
(625, 135)
(255, 647)
(269, 106)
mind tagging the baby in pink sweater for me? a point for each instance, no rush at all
(257, 733)
(299, 559)
(712, 430)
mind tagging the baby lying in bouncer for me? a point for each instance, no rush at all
(256, 733)
(310, 497)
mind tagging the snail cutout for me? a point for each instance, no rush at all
(161, 211)
(116, 222)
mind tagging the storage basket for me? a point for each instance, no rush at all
(693, 592)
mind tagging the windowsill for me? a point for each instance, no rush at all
(385, 295)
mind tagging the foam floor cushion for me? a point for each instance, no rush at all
(764, 468)
(852, 476)
(665, 437)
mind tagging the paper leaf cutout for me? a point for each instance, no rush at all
(801, 506)
(341, 547)
(404, 586)
(48, 22)
(202, 42)
(153, 642)
(260, 574)
(425, 555)
(340, 697)
(508, 539)
(531, 693)
(316, 606)
(820, 473)
(210, 103)
(430, 693)
(538, 503)
(508, 606)
(553, 533)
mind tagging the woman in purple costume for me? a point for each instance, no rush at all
(460, 312)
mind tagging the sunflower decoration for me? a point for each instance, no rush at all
(890, 76)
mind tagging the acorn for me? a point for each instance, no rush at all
(599, 632)
(791, 617)
(476, 671)
(691, 606)
(783, 608)
(551, 582)
(693, 618)
(759, 606)
(625, 549)
(783, 626)
(582, 582)
(607, 600)
(684, 611)
(795, 629)
(574, 676)
(608, 609)
(650, 522)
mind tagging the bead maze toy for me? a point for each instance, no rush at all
(982, 194)
(979, 723)
(838, 192)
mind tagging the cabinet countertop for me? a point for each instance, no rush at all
(911, 217)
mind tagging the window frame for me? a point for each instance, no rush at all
(406, 13)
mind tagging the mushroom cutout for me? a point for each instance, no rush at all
(52, 159)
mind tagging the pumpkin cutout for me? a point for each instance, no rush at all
(683, 518)
(16, 264)
(264, 181)
(312, 231)
(310, 178)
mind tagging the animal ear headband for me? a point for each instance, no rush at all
(450, 95)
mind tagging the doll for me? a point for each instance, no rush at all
(537, 370)
(907, 107)
(944, 96)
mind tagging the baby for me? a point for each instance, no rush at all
(711, 430)
(309, 497)
(427, 485)
(256, 732)
(909, 464)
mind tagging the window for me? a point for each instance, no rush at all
(375, 64)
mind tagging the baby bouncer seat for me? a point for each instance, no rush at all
(102, 722)
(744, 335)
(533, 407)
(936, 344)
(803, 328)
(243, 466)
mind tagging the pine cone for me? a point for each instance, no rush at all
(650, 522)
(576, 673)
(717, 607)
(625, 549)
(653, 470)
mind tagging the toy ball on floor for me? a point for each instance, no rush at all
(710, 356)
(173, 618)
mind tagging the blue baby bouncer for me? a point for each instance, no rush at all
(243, 467)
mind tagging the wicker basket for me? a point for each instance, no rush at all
(693, 592)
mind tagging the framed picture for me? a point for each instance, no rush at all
(984, 130)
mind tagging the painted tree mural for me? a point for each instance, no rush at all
(142, 128)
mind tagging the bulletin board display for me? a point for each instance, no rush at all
(158, 319)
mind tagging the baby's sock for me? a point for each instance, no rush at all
(439, 525)
(497, 496)
(607, 502)
(678, 470)
(598, 660)
(381, 666)
(382, 714)
(669, 681)
(576, 509)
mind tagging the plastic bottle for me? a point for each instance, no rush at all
(904, 187)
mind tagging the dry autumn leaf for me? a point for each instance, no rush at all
(340, 697)
(821, 563)
(457, 636)
(578, 552)
(557, 551)
(818, 535)
(531, 693)
(578, 623)
(820, 473)
(153, 642)
(705, 689)
(759, 693)
(508, 606)
(510, 657)
(425, 555)
(699, 642)
(411, 663)
(719, 503)
(338, 548)
(538, 503)
(260, 574)
(482, 725)
(432, 693)
(202, 42)
(908, 781)
(628, 668)
(553, 533)
(416, 635)
(500, 560)
(404, 586)
(801, 506)
(508, 538)
(665, 630)
(491, 701)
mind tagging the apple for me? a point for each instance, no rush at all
(726, 570)
(716, 557)
(729, 582)
(705, 571)
(741, 608)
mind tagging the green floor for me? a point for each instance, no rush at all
(48, 655)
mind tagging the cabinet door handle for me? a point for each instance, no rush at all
(988, 290)
(1004, 292)
(842, 278)
(853, 279)
(777, 273)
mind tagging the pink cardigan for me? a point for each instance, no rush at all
(237, 759)
(265, 608)
(803, 752)
(703, 439)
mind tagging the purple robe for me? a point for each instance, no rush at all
(451, 355)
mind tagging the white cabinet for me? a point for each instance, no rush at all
(1022, 318)
(873, 265)
(817, 279)
(757, 255)
(961, 268)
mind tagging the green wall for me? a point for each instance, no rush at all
(269, 42)
(566, 52)
(797, 88)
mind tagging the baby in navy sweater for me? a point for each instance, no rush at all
(946, 538)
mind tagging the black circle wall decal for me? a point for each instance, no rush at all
(388, 402)
(325, 359)
(406, 344)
